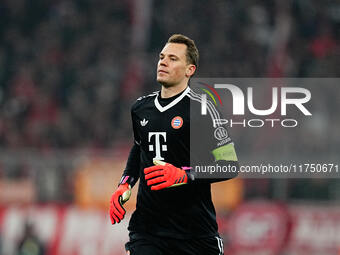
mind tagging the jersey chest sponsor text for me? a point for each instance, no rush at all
(157, 144)
(159, 137)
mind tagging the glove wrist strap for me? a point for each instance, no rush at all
(126, 179)
(187, 170)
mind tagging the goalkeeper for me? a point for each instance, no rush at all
(174, 212)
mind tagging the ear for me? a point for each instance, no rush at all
(190, 70)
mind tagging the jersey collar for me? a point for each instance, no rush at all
(174, 102)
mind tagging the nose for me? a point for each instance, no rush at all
(163, 62)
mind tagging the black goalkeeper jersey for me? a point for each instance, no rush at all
(162, 131)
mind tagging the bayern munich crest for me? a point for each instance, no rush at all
(177, 122)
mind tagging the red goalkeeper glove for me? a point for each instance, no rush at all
(164, 175)
(121, 195)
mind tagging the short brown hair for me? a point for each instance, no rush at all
(192, 51)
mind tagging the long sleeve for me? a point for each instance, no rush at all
(211, 147)
(131, 172)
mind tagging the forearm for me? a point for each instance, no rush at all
(196, 177)
(207, 168)
(131, 172)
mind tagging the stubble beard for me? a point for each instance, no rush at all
(165, 83)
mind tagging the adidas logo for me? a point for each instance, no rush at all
(144, 122)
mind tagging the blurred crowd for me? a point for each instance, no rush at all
(65, 66)
(61, 66)
(63, 63)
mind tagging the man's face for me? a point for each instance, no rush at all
(172, 65)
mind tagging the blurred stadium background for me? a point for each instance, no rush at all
(69, 72)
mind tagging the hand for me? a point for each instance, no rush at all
(164, 175)
(121, 195)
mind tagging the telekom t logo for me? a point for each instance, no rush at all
(238, 100)
(157, 145)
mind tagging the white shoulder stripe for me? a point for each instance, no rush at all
(150, 95)
(209, 103)
(214, 114)
(210, 111)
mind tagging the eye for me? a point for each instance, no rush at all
(173, 59)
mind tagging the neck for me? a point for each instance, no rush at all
(171, 91)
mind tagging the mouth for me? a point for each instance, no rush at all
(162, 71)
